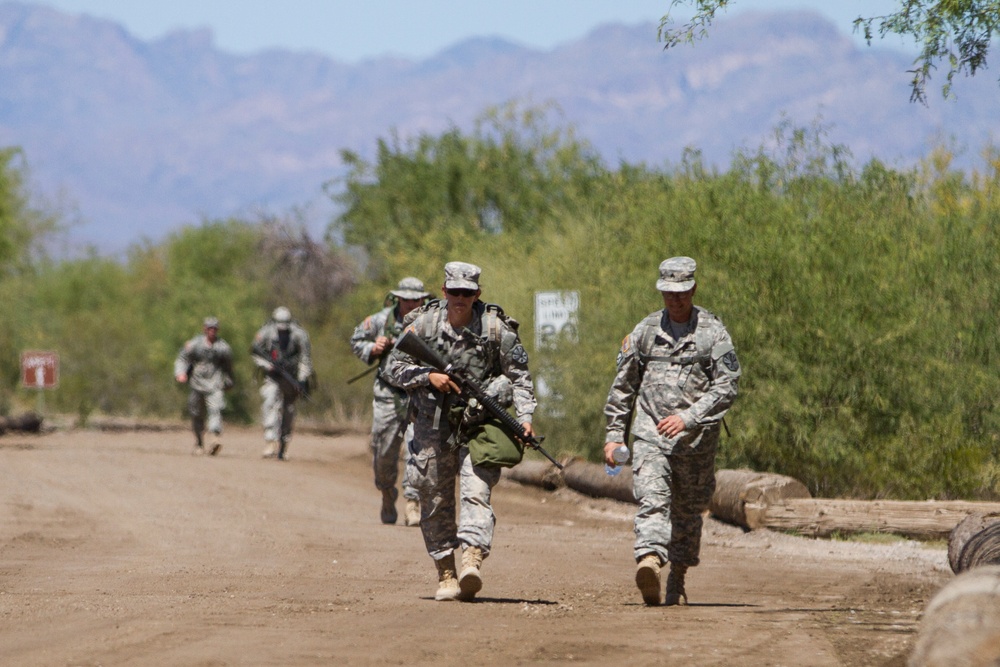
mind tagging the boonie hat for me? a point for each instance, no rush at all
(282, 317)
(211, 323)
(676, 274)
(410, 288)
(459, 275)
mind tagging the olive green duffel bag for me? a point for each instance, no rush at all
(491, 447)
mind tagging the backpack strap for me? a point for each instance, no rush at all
(645, 345)
(492, 317)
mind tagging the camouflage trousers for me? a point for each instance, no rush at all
(205, 408)
(277, 411)
(435, 468)
(672, 491)
(389, 431)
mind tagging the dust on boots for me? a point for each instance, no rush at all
(647, 580)
(464, 586)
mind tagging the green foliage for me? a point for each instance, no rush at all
(22, 226)
(433, 195)
(956, 32)
(861, 299)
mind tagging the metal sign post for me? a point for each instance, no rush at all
(555, 321)
(40, 370)
(555, 317)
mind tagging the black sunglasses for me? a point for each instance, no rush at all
(461, 292)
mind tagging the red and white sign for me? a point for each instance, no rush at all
(39, 369)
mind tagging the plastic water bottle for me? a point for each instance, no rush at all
(620, 456)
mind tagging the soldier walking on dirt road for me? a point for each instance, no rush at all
(481, 340)
(372, 342)
(282, 350)
(205, 363)
(679, 373)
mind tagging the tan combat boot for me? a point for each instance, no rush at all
(471, 579)
(647, 578)
(216, 445)
(675, 585)
(447, 583)
(412, 512)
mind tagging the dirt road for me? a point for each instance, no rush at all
(123, 549)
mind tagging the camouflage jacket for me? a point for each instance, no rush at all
(383, 323)
(695, 376)
(489, 348)
(209, 366)
(288, 349)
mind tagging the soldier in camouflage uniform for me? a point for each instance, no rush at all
(480, 338)
(371, 342)
(282, 350)
(678, 371)
(206, 364)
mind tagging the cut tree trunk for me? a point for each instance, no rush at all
(961, 625)
(822, 517)
(755, 500)
(537, 473)
(591, 479)
(28, 422)
(975, 541)
(742, 496)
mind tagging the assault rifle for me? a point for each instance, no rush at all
(362, 374)
(387, 350)
(418, 349)
(288, 383)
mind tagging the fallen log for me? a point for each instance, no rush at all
(754, 500)
(28, 422)
(961, 625)
(537, 473)
(822, 517)
(975, 541)
(592, 480)
(742, 496)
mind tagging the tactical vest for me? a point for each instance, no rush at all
(652, 329)
(492, 319)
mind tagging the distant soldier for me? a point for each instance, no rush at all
(371, 342)
(482, 340)
(678, 371)
(281, 349)
(205, 363)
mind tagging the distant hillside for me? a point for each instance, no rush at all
(146, 136)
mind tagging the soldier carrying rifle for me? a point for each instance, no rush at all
(371, 343)
(282, 350)
(481, 340)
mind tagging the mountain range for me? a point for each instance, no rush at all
(132, 139)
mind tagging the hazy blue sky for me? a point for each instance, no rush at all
(358, 29)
